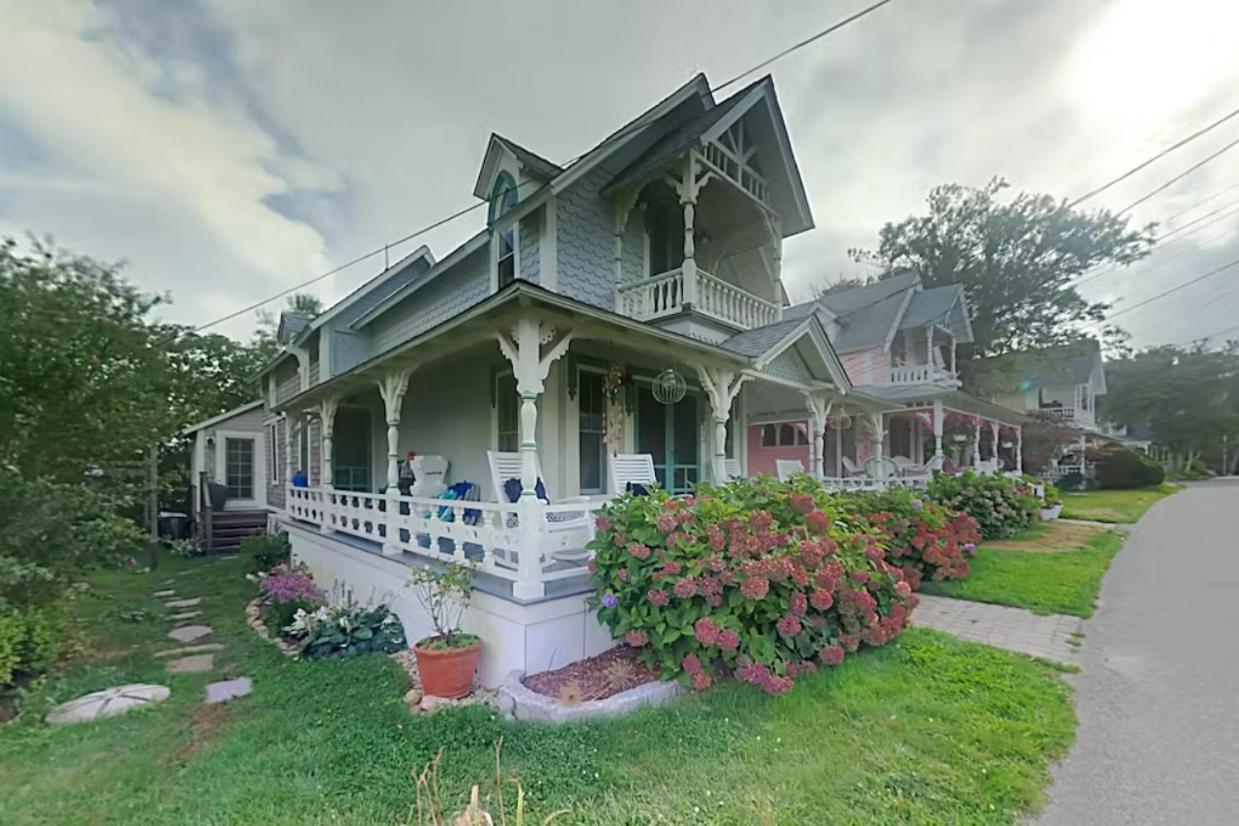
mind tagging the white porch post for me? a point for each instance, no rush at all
(721, 385)
(392, 388)
(523, 349)
(688, 198)
(994, 433)
(288, 450)
(327, 415)
(1019, 448)
(976, 444)
(877, 425)
(819, 405)
(937, 424)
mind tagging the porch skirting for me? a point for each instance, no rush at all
(531, 636)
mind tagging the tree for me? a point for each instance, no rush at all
(303, 304)
(1188, 397)
(843, 283)
(1016, 261)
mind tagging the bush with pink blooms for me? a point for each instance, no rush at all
(286, 590)
(763, 580)
(925, 539)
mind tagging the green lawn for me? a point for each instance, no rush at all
(1121, 506)
(926, 730)
(1047, 583)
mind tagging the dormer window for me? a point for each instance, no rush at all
(503, 200)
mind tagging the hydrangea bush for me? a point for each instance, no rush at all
(762, 579)
(924, 538)
(286, 591)
(1002, 507)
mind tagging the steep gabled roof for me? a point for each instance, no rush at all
(376, 290)
(291, 325)
(944, 307)
(227, 414)
(805, 334)
(536, 165)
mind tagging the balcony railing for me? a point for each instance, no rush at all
(527, 543)
(1071, 414)
(923, 374)
(670, 293)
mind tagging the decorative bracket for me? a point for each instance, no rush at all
(722, 385)
(525, 353)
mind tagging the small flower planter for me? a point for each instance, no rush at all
(1051, 513)
(447, 672)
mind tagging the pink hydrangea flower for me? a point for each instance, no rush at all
(636, 638)
(728, 640)
(623, 575)
(755, 587)
(657, 597)
(789, 626)
(685, 587)
(832, 655)
(701, 681)
(639, 550)
(691, 664)
(816, 521)
(602, 523)
(799, 604)
(706, 631)
(821, 599)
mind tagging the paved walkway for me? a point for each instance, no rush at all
(1158, 698)
(1014, 629)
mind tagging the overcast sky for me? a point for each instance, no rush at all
(227, 150)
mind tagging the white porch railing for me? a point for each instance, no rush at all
(1071, 414)
(667, 294)
(528, 544)
(923, 374)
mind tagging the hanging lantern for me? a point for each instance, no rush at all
(669, 387)
(840, 422)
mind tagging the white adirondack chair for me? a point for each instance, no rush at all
(906, 466)
(731, 468)
(786, 468)
(637, 468)
(850, 468)
(505, 465)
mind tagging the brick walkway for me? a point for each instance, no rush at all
(1014, 629)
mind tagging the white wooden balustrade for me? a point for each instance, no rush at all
(922, 374)
(526, 543)
(665, 294)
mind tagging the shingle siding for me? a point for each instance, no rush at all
(585, 242)
(530, 236)
(448, 295)
(633, 255)
(790, 365)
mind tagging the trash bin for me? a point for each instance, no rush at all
(173, 525)
(218, 494)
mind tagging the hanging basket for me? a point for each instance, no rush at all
(840, 422)
(669, 387)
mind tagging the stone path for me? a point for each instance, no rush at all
(184, 615)
(189, 633)
(225, 690)
(1014, 629)
(184, 603)
(190, 649)
(195, 659)
(193, 664)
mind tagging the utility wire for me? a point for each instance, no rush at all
(632, 127)
(1174, 289)
(1179, 177)
(1198, 203)
(1181, 143)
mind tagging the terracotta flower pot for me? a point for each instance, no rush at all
(447, 672)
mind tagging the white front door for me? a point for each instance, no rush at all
(240, 465)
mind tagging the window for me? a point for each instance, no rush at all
(664, 224)
(787, 434)
(769, 435)
(239, 468)
(508, 412)
(303, 450)
(592, 428)
(502, 200)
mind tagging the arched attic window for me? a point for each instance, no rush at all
(502, 201)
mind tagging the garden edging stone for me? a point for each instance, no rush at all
(516, 700)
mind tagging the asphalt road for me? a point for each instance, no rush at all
(1158, 697)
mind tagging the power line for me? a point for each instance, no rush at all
(1198, 203)
(1184, 142)
(1174, 289)
(1179, 177)
(631, 127)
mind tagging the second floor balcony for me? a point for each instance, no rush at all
(1072, 415)
(911, 374)
(687, 289)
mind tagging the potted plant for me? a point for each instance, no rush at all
(448, 658)
(1051, 504)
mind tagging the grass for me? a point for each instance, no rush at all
(927, 729)
(1048, 537)
(1118, 506)
(1046, 583)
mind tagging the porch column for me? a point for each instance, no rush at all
(327, 416)
(289, 467)
(994, 433)
(938, 417)
(877, 425)
(1019, 448)
(976, 444)
(523, 349)
(819, 405)
(688, 198)
(392, 388)
(721, 385)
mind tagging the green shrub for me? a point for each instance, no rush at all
(265, 551)
(1121, 469)
(1002, 507)
(12, 634)
(347, 632)
(761, 579)
(1195, 469)
(29, 642)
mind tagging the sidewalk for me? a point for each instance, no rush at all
(1015, 629)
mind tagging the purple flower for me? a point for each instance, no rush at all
(970, 547)
(917, 504)
(610, 600)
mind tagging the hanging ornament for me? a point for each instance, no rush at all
(669, 387)
(840, 422)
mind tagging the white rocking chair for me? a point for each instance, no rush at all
(731, 469)
(787, 468)
(505, 465)
(634, 468)
(850, 468)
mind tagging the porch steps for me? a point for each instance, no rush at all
(230, 528)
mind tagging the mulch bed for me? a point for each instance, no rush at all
(596, 678)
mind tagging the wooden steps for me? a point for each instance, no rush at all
(229, 528)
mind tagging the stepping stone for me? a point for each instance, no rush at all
(184, 603)
(189, 633)
(164, 594)
(191, 649)
(184, 615)
(226, 690)
(192, 664)
(107, 703)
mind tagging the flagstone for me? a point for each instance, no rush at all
(163, 594)
(184, 615)
(191, 649)
(184, 603)
(192, 664)
(189, 633)
(226, 690)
